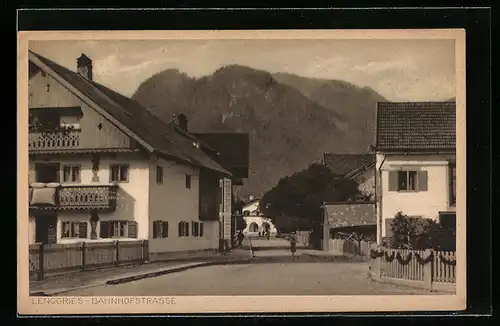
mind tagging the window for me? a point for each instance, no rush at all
(119, 173)
(160, 229)
(201, 229)
(183, 229)
(408, 180)
(448, 220)
(74, 230)
(453, 184)
(118, 229)
(195, 229)
(71, 173)
(159, 174)
(188, 181)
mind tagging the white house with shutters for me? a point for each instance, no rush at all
(415, 162)
(103, 168)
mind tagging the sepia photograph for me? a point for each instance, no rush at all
(199, 171)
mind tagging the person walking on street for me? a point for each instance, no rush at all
(240, 239)
(293, 244)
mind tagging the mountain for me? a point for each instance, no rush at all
(289, 125)
(355, 105)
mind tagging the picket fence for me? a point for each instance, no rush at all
(54, 259)
(430, 269)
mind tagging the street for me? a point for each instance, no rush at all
(276, 274)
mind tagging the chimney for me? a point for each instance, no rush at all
(84, 66)
(182, 122)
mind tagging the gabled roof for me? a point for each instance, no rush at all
(348, 164)
(416, 126)
(141, 124)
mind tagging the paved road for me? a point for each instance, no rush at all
(285, 276)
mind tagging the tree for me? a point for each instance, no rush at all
(303, 193)
(420, 233)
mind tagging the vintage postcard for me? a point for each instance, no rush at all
(241, 171)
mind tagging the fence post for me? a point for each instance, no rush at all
(144, 246)
(117, 252)
(376, 267)
(40, 261)
(428, 270)
(84, 254)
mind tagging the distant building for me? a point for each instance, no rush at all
(255, 221)
(357, 167)
(416, 162)
(103, 168)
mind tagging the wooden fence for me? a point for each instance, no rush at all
(45, 259)
(352, 248)
(430, 269)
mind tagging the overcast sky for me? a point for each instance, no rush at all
(400, 70)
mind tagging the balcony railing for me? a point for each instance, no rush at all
(54, 140)
(79, 197)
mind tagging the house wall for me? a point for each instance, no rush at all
(425, 204)
(132, 198)
(91, 136)
(173, 202)
(31, 230)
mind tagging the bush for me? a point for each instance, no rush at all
(420, 233)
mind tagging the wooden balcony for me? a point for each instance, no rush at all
(44, 141)
(77, 198)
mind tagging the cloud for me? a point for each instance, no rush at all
(373, 67)
(397, 69)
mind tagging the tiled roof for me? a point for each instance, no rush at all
(163, 137)
(416, 126)
(342, 215)
(345, 164)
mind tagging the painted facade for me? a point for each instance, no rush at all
(92, 180)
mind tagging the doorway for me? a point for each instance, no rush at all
(47, 172)
(46, 227)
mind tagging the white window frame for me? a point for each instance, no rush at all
(72, 167)
(119, 168)
(73, 226)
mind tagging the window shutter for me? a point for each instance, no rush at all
(58, 176)
(104, 229)
(201, 229)
(164, 229)
(186, 231)
(82, 226)
(192, 229)
(155, 229)
(132, 229)
(422, 181)
(393, 180)
(180, 229)
(388, 227)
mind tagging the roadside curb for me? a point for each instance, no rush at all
(174, 270)
(141, 276)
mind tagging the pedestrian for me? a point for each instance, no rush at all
(293, 245)
(240, 239)
(267, 235)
